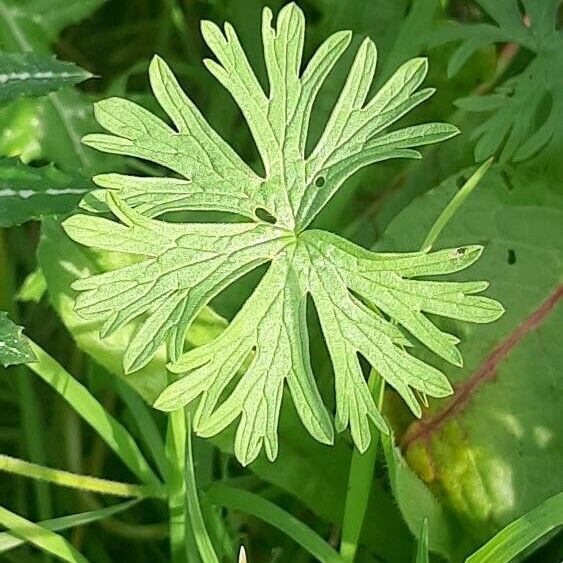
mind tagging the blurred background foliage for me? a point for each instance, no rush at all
(482, 461)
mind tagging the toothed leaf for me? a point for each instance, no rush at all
(368, 303)
(14, 348)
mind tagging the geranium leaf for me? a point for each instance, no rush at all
(514, 130)
(362, 298)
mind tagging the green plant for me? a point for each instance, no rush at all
(294, 236)
(187, 265)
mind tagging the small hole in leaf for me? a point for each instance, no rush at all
(460, 181)
(320, 181)
(511, 257)
(265, 215)
(460, 251)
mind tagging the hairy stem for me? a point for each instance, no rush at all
(68, 479)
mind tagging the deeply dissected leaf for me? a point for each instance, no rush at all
(486, 452)
(182, 267)
(14, 347)
(28, 193)
(310, 472)
(527, 108)
(30, 74)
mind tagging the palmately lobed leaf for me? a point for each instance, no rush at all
(364, 299)
(526, 109)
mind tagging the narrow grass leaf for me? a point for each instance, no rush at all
(40, 537)
(422, 547)
(455, 203)
(8, 541)
(515, 538)
(90, 409)
(255, 505)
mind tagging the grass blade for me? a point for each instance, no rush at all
(360, 480)
(422, 549)
(199, 529)
(148, 429)
(250, 503)
(9, 541)
(72, 480)
(454, 205)
(40, 537)
(89, 408)
(522, 533)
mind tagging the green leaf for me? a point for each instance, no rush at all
(63, 262)
(310, 472)
(181, 267)
(513, 540)
(527, 108)
(40, 537)
(422, 549)
(419, 505)
(41, 21)
(486, 452)
(9, 541)
(31, 74)
(28, 193)
(14, 347)
(33, 287)
(62, 117)
(114, 434)
(255, 505)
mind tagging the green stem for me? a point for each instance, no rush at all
(360, 479)
(201, 535)
(176, 454)
(68, 479)
(454, 204)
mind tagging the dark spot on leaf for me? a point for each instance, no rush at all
(320, 181)
(507, 180)
(521, 8)
(461, 251)
(460, 180)
(265, 215)
(511, 257)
